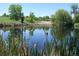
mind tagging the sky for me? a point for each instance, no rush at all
(39, 9)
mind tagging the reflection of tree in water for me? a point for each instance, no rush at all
(76, 41)
(2, 47)
(48, 44)
(16, 43)
(63, 43)
(31, 29)
(3, 44)
(66, 41)
(62, 39)
(34, 49)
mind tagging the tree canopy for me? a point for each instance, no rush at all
(15, 11)
(62, 17)
(32, 17)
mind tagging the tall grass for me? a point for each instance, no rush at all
(14, 46)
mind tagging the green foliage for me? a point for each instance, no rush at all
(32, 17)
(45, 18)
(76, 18)
(14, 45)
(76, 26)
(15, 11)
(48, 48)
(52, 18)
(40, 18)
(5, 15)
(62, 17)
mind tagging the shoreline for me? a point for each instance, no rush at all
(41, 23)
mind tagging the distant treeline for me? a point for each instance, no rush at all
(61, 15)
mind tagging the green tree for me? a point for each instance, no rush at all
(32, 17)
(5, 15)
(40, 18)
(45, 17)
(62, 17)
(15, 11)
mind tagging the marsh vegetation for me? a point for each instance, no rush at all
(60, 38)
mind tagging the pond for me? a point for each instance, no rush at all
(39, 41)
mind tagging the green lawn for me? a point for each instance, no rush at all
(7, 20)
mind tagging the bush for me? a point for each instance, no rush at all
(62, 17)
(76, 18)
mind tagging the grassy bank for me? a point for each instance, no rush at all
(6, 20)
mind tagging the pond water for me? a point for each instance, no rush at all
(39, 41)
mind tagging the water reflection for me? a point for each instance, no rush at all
(39, 41)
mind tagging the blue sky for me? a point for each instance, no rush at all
(39, 9)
